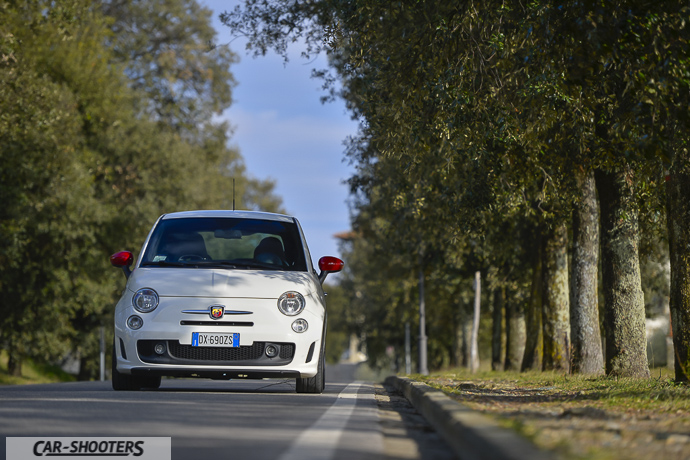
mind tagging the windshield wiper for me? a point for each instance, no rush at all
(259, 265)
(235, 265)
(163, 263)
(212, 264)
(215, 263)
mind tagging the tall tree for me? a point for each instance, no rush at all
(48, 213)
(498, 320)
(86, 171)
(496, 98)
(532, 359)
(516, 334)
(168, 50)
(678, 209)
(626, 345)
(555, 300)
(587, 355)
(667, 95)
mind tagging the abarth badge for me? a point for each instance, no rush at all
(217, 311)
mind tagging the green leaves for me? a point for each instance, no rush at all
(102, 129)
(475, 116)
(168, 52)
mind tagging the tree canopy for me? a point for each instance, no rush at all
(106, 122)
(482, 123)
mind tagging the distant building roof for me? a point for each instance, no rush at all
(346, 236)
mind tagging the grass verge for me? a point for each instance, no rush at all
(33, 373)
(579, 416)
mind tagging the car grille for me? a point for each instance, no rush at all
(217, 354)
(287, 351)
(177, 353)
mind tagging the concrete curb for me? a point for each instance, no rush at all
(471, 435)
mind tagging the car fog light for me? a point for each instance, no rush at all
(159, 348)
(271, 351)
(135, 322)
(300, 325)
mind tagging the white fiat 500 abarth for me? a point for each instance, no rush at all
(221, 295)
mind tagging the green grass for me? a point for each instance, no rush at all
(33, 373)
(659, 393)
(568, 413)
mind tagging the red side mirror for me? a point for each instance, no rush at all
(122, 259)
(328, 265)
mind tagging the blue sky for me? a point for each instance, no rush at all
(286, 134)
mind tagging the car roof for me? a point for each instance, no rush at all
(219, 213)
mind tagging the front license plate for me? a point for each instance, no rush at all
(209, 339)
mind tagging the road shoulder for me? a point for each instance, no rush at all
(470, 435)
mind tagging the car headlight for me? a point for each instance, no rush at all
(291, 303)
(145, 300)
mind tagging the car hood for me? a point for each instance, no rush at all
(191, 282)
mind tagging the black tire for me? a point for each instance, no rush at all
(128, 382)
(314, 384)
(152, 382)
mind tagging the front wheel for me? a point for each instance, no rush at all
(314, 384)
(128, 382)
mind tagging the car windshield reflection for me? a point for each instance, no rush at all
(230, 243)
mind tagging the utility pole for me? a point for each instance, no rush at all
(408, 357)
(422, 323)
(474, 346)
(102, 353)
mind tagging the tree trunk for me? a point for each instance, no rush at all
(14, 365)
(466, 337)
(534, 343)
(678, 217)
(624, 316)
(587, 355)
(555, 298)
(462, 337)
(515, 335)
(85, 373)
(497, 331)
(458, 343)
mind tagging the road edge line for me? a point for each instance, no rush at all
(320, 440)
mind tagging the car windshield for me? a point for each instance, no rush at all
(210, 242)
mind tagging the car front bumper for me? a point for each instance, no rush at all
(298, 353)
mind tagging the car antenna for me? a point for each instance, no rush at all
(233, 193)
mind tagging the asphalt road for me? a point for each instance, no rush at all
(253, 419)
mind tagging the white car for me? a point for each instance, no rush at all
(221, 295)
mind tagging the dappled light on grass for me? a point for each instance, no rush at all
(581, 416)
(32, 373)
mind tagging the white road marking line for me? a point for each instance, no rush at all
(319, 441)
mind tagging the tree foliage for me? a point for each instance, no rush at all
(168, 52)
(100, 133)
(481, 118)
